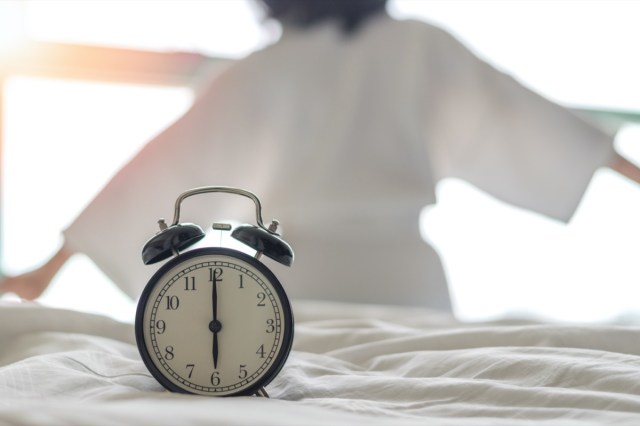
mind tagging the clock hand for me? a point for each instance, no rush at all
(215, 350)
(214, 296)
(215, 326)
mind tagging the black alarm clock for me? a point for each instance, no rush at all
(214, 320)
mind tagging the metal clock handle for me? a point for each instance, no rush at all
(225, 189)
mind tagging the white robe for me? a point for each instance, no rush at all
(344, 140)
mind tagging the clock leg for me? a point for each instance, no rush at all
(262, 392)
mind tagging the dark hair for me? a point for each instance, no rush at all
(305, 13)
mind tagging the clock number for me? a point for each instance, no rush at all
(189, 283)
(241, 283)
(215, 380)
(172, 303)
(190, 367)
(161, 326)
(270, 326)
(260, 351)
(261, 297)
(168, 353)
(215, 275)
(243, 372)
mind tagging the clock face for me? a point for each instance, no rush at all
(214, 321)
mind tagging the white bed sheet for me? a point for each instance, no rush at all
(351, 364)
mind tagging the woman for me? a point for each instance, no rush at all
(343, 128)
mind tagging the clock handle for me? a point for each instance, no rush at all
(176, 237)
(225, 189)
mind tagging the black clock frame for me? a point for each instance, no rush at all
(287, 313)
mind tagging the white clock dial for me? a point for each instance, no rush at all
(214, 322)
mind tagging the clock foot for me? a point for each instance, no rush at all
(262, 392)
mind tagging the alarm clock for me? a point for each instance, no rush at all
(215, 321)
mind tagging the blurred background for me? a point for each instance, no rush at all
(84, 84)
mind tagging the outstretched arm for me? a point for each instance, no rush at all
(32, 284)
(625, 167)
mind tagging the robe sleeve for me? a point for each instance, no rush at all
(493, 132)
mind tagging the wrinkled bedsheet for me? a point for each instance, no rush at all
(351, 364)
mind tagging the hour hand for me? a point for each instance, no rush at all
(215, 350)
(215, 327)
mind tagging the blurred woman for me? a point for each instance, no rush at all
(343, 128)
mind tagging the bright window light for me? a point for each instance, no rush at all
(63, 141)
(227, 28)
(580, 53)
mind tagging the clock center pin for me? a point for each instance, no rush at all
(215, 326)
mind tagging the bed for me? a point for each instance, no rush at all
(351, 364)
